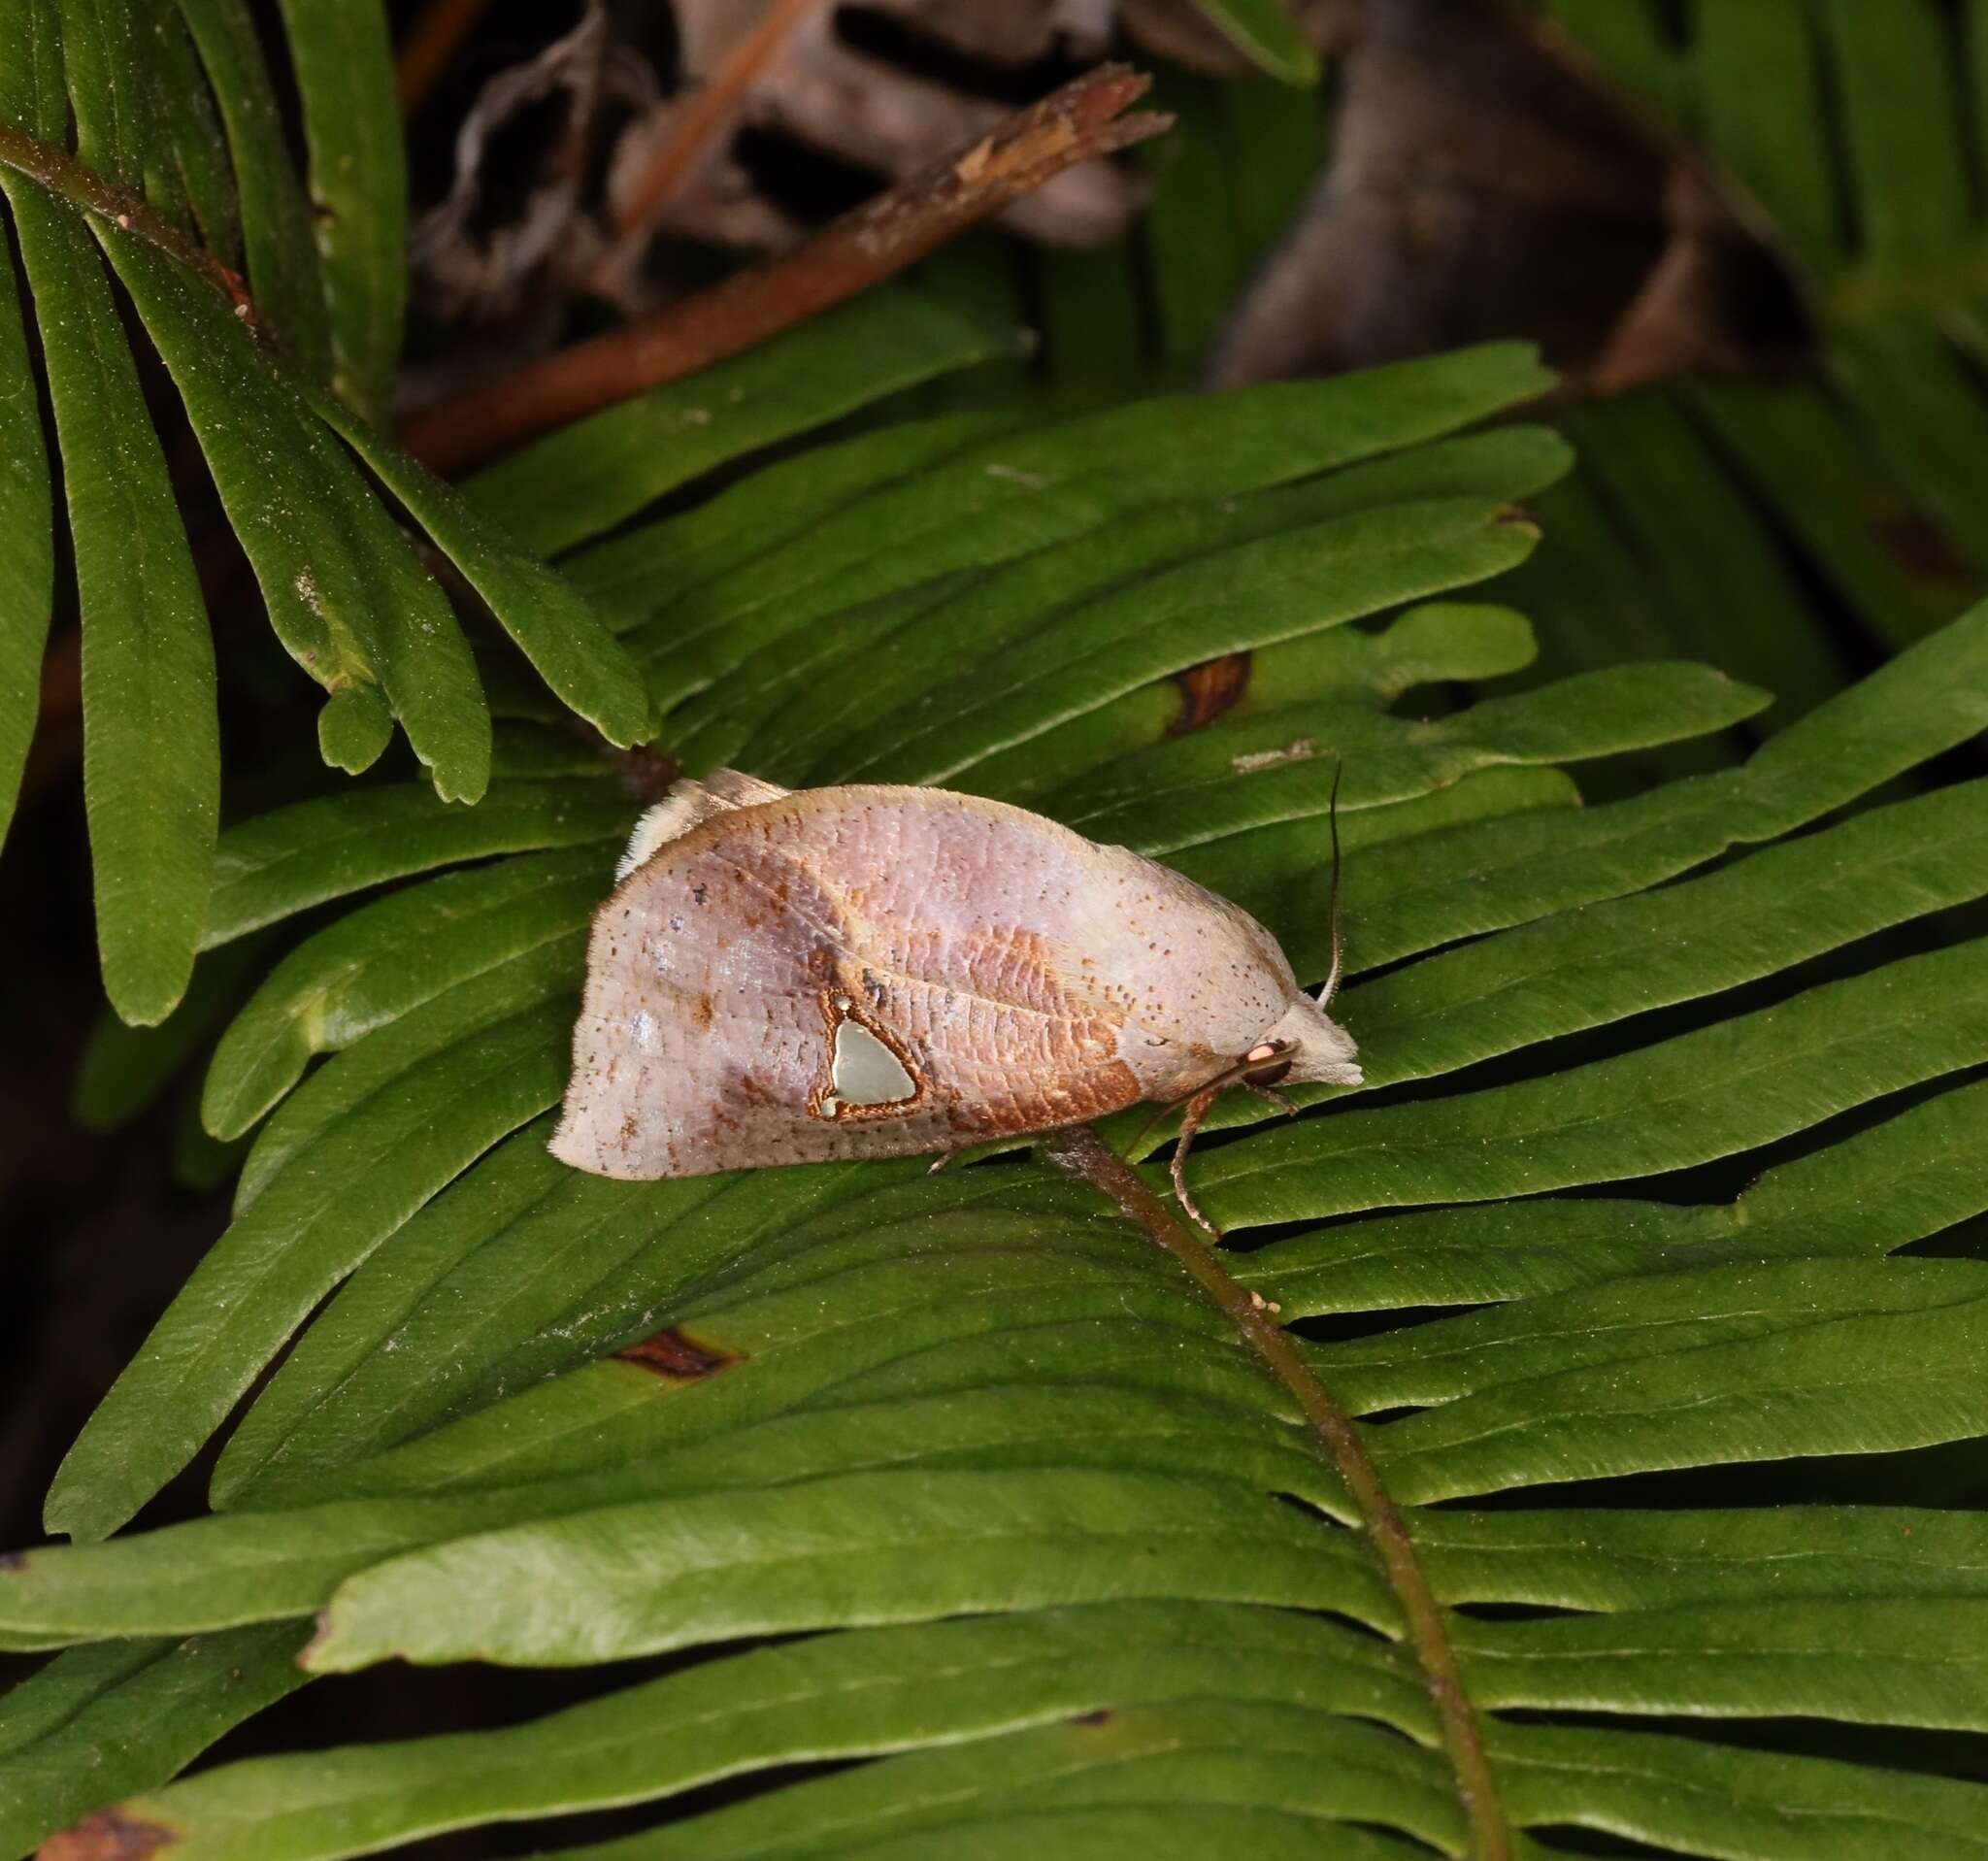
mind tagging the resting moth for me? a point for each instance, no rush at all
(871, 972)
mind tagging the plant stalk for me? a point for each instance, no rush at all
(700, 119)
(60, 173)
(1083, 1153)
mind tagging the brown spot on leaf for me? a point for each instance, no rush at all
(1209, 689)
(678, 1357)
(13, 1560)
(1920, 547)
(1102, 1717)
(107, 1835)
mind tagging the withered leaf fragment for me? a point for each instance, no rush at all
(1485, 184)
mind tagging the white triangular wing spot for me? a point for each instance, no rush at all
(866, 1072)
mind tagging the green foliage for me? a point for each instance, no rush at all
(1854, 127)
(1068, 1569)
(150, 90)
(27, 568)
(1788, 527)
(343, 68)
(1262, 30)
(958, 1479)
(595, 474)
(396, 1107)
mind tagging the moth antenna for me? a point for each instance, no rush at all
(1198, 1108)
(1331, 985)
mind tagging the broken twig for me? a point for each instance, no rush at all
(1072, 124)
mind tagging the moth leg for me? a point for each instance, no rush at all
(1190, 1122)
(944, 1157)
(1271, 1096)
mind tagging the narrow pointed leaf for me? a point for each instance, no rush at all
(1027, 490)
(645, 1579)
(1298, 583)
(26, 518)
(835, 1696)
(123, 1716)
(342, 64)
(1686, 1100)
(1283, 766)
(285, 862)
(556, 628)
(191, 125)
(284, 277)
(345, 1194)
(629, 576)
(1899, 1181)
(794, 706)
(600, 470)
(1699, 1797)
(151, 753)
(346, 593)
(381, 962)
(119, 130)
(1761, 915)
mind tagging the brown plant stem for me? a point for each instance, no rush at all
(699, 119)
(1083, 1153)
(878, 239)
(443, 27)
(62, 174)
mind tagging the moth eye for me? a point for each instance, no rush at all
(1276, 1055)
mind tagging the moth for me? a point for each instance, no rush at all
(794, 976)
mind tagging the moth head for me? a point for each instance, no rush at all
(1306, 1048)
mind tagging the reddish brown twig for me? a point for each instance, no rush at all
(700, 119)
(882, 236)
(60, 173)
(443, 27)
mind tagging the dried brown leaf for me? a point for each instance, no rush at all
(1485, 183)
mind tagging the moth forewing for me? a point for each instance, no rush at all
(870, 971)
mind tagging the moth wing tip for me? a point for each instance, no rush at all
(564, 1143)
